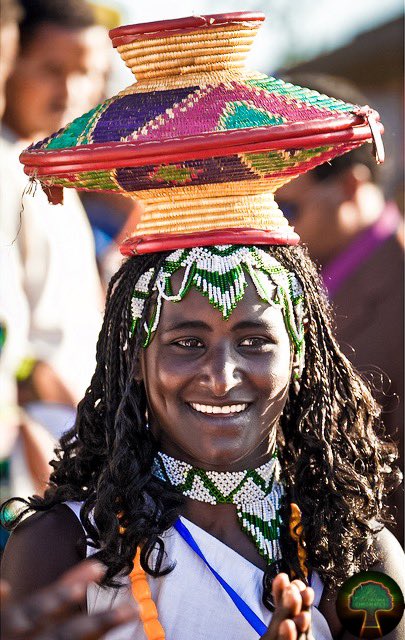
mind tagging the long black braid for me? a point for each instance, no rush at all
(332, 448)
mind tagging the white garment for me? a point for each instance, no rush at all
(191, 603)
(50, 292)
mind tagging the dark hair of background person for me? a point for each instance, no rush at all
(69, 14)
(10, 11)
(332, 447)
(341, 89)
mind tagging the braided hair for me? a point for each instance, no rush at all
(332, 448)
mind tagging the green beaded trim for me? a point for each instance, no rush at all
(219, 495)
(219, 273)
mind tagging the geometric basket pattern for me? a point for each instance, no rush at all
(189, 111)
(199, 132)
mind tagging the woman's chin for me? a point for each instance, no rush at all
(223, 458)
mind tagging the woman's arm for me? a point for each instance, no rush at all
(41, 549)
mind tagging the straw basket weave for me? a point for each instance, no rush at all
(202, 141)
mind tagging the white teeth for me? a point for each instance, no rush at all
(226, 410)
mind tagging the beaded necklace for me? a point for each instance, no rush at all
(256, 493)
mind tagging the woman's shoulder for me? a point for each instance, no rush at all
(41, 548)
(390, 562)
(391, 556)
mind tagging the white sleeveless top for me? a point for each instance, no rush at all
(191, 603)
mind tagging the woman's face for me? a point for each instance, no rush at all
(216, 388)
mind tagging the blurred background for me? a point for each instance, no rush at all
(56, 63)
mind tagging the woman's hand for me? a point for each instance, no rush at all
(292, 617)
(52, 613)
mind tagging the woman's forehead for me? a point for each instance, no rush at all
(196, 306)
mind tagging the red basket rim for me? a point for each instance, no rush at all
(167, 242)
(220, 143)
(162, 28)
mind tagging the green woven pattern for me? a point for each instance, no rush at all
(88, 181)
(69, 137)
(307, 96)
(239, 115)
(278, 161)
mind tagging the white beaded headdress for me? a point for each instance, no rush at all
(219, 273)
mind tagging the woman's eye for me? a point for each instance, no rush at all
(189, 343)
(256, 342)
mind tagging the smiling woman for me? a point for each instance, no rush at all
(207, 381)
(226, 455)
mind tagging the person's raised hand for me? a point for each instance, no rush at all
(291, 619)
(52, 613)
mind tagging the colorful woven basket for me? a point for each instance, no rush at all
(202, 141)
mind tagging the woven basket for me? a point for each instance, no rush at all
(202, 141)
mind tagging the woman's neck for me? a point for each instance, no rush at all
(221, 522)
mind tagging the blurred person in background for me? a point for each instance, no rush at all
(10, 15)
(50, 292)
(111, 216)
(17, 431)
(355, 235)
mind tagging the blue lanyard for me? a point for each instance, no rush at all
(249, 615)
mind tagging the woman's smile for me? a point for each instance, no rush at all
(219, 410)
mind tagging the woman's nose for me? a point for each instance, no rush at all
(221, 373)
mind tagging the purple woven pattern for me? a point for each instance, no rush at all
(130, 113)
(273, 165)
(195, 172)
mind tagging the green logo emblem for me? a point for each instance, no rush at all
(370, 604)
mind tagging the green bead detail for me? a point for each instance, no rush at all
(213, 490)
(271, 530)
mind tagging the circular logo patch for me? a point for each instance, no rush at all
(370, 604)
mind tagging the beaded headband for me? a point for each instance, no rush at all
(202, 141)
(219, 273)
